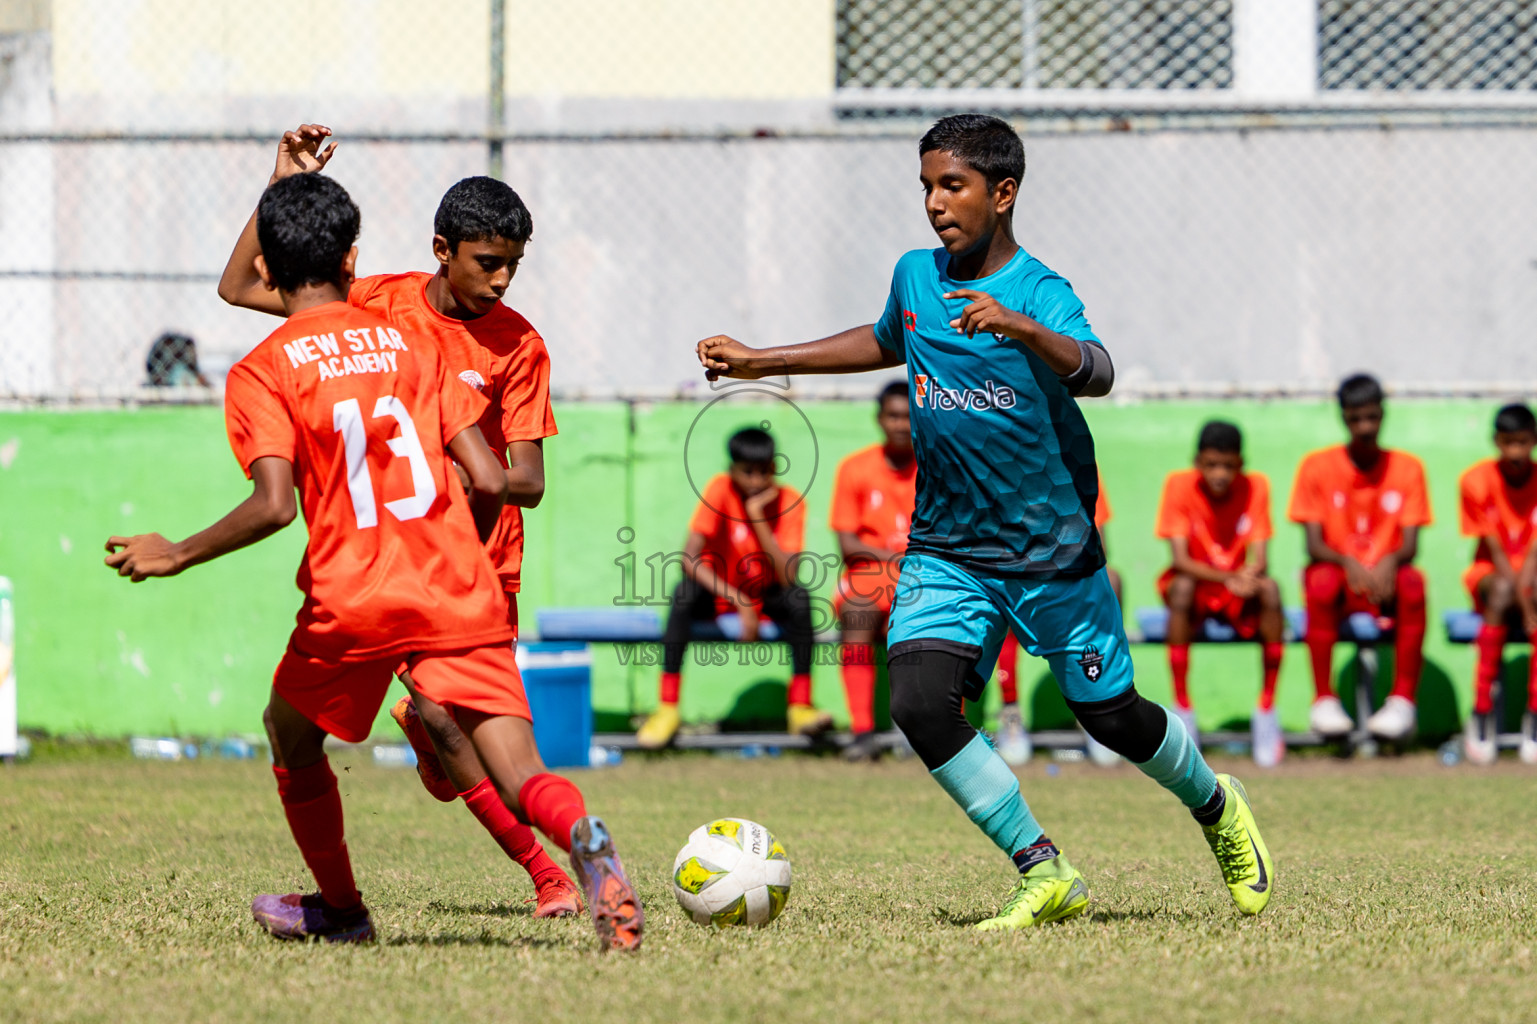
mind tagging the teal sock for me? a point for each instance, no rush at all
(987, 790)
(1179, 767)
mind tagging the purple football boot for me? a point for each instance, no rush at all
(296, 916)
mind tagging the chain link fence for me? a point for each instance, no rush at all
(1250, 195)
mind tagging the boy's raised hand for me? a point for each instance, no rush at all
(758, 503)
(299, 151)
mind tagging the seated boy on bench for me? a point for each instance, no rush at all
(739, 557)
(1216, 519)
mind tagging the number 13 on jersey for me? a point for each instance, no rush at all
(347, 420)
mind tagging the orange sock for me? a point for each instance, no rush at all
(1270, 655)
(671, 682)
(1008, 663)
(859, 685)
(1179, 667)
(800, 688)
(314, 811)
(1491, 648)
(516, 839)
(552, 805)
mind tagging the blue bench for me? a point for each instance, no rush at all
(635, 625)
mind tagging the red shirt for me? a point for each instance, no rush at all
(1492, 508)
(872, 500)
(501, 356)
(1102, 506)
(1218, 532)
(732, 546)
(1363, 514)
(364, 411)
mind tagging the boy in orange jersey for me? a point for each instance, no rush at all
(481, 231)
(1216, 518)
(871, 510)
(1499, 509)
(1011, 740)
(358, 415)
(1363, 506)
(742, 544)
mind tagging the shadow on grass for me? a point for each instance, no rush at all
(482, 940)
(484, 910)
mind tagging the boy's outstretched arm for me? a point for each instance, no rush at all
(487, 479)
(299, 152)
(270, 507)
(852, 351)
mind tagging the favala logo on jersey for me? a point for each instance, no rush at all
(928, 393)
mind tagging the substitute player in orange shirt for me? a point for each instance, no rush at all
(872, 508)
(481, 231)
(1363, 506)
(1216, 518)
(742, 542)
(1011, 740)
(358, 415)
(1499, 508)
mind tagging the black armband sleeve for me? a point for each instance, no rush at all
(1095, 373)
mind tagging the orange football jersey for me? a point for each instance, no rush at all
(1491, 508)
(1219, 532)
(1102, 506)
(501, 356)
(1363, 514)
(730, 543)
(364, 412)
(873, 501)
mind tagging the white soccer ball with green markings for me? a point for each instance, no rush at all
(731, 871)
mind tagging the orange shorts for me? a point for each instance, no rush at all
(1216, 601)
(1473, 578)
(343, 698)
(868, 589)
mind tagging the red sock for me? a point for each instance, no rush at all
(1179, 667)
(670, 683)
(800, 688)
(515, 838)
(1008, 663)
(552, 805)
(314, 811)
(1531, 685)
(1270, 655)
(1409, 645)
(1491, 648)
(1324, 585)
(859, 685)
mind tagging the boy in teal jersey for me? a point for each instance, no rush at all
(997, 349)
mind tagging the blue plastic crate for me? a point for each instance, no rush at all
(558, 680)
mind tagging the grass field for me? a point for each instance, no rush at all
(1406, 893)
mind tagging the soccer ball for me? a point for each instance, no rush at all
(731, 871)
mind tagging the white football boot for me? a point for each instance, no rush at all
(1011, 741)
(1480, 740)
(1394, 720)
(1265, 735)
(1529, 738)
(1328, 718)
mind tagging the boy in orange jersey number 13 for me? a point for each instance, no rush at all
(480, 231)
(339, 402)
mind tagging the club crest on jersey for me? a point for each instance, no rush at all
(909, 320)
(928, 393)
(1092, 663)
(473, 379)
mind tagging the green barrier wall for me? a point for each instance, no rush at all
(193, 655)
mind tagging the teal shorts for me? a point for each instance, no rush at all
(1074, 624)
